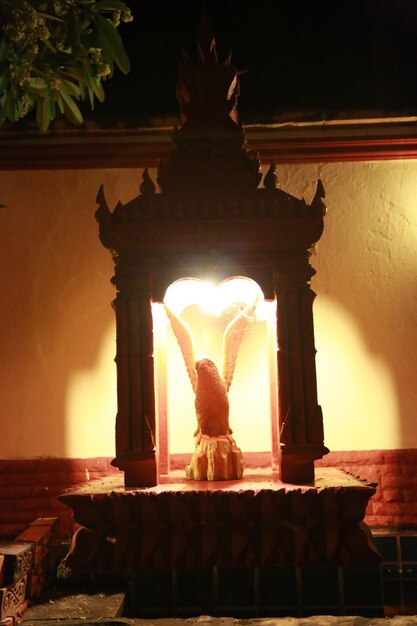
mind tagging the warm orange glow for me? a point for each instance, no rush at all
(53, 316)
(91, 404)
(356, 388)
(207, 309)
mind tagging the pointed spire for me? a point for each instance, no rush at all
(320, 189)
(271, 178)
(206, 43)
(228, 58)
(147, 187)
(118, 209)
(103, 207)
(317, 203)
(101, 198)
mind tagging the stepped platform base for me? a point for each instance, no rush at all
(257, 521)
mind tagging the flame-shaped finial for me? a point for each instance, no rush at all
(271, 178)
(103, 211)
(147, 187)
(206, 43)
(317, 203)
(101, 198)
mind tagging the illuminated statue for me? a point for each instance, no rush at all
(216, 456)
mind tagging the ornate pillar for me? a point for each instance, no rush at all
(300, 417)
(135, 421)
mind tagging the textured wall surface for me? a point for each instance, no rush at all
(30, 488)
(394, 473)
(366, 309)
(57, 375)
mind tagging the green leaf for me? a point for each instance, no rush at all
(48, 16)
(91, 98)
(40, 113)
(50, 107)
(74, 72)
(48, 45)
(77, 78)
(111, 5)
(98, 89)
(71, 88)
(37, 83)
(71, 110)
(4, 50)
(12, 107)
(93, 84)
(60, 103)
(4, 81)
(111, 43)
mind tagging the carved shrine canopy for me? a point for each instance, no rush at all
(212, 218)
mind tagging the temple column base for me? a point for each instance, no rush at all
(297, 463)
(138, 471)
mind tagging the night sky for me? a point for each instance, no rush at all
(305, 59)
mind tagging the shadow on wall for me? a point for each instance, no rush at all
(55, 311)
(366, 283)
(365, 312)
(57, 322)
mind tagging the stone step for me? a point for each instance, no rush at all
(80, 606)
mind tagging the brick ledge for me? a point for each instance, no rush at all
(29, 487)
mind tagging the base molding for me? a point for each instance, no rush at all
(38, 482)
(256, 522)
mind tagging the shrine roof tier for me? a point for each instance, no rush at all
(261, 220)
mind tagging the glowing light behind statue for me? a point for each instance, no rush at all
(239, 302)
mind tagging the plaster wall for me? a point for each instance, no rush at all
(57, 375)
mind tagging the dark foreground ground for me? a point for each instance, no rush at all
(103, 609)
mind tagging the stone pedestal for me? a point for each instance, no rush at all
(255, 522)
(215, 458)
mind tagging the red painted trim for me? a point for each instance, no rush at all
(143, 148)
(335, 150)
